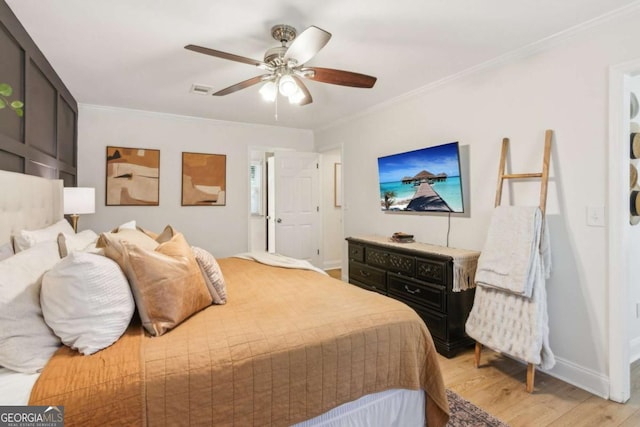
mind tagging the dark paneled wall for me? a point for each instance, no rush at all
(44, 141)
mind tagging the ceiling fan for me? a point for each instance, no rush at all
(285, 66)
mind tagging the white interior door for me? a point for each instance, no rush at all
(297, 205)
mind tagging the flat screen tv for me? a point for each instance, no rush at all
(426, 180)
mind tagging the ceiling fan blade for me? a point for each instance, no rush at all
(338, 77)
(225, 55)
(307, 95)
(307, 44)
(243, 85)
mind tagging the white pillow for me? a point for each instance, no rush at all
(6, 251)
(87, 301)
(82, 241)
(24, 239)
(26, 342)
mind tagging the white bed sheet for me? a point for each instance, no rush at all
(15, 387)
(390, 408)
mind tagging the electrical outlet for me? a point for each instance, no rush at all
(595, 216)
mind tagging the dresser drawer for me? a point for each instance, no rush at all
(431, 296)
(401, 264)
(356, 252)
(368, 275)
(376, 257)
(436, 322)
(367, 287)
(432, 270)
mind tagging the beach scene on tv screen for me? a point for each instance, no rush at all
(421, 180)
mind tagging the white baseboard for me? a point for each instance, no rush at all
(579, 376)
(634, 350)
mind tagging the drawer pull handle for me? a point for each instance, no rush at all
(411, 291)
(365, 273)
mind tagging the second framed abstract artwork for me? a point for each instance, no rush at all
(204, 179)
(133, 176)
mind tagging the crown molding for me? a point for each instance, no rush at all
(530, 49)
(192, 118)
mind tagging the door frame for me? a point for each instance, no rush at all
(323, 196)
(618, 243)
(264, 150)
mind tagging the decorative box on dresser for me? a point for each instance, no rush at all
(436, 281)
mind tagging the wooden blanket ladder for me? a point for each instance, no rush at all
(544, 177)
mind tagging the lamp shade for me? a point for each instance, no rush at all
(79, 200)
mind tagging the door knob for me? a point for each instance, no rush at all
(279, 220)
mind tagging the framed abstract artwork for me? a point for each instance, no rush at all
(204, 179)
(133, 176)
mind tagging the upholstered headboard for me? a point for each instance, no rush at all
(27, 203)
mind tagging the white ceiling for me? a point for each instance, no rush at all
(130, 53)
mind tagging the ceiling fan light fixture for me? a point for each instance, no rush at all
(287, 85)
(296, 97)
(285, 66)
(269, 91)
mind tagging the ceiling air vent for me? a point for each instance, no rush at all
(201, 89)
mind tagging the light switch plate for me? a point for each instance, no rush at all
(595, 216)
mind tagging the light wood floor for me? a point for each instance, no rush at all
(335, 273)
(498, 387)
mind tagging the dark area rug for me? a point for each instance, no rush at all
(466, 414)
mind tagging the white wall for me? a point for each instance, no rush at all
(560, 84)
(634, 249)
(223, 230)
(331, 215)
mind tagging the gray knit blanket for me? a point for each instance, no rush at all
(508, 315)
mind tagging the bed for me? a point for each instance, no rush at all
(289, 347)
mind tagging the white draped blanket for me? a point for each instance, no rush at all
(464, 260)
(278, 260)
(503, 317)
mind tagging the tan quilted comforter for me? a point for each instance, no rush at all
(288, 346)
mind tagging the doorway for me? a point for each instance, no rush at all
(286, 186)
(624, 238)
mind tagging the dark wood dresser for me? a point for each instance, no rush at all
(423, 277)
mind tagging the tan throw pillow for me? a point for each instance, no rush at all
(132, 236)
(166, 282)
(212, 274)
(131, 225)
(166, 235)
